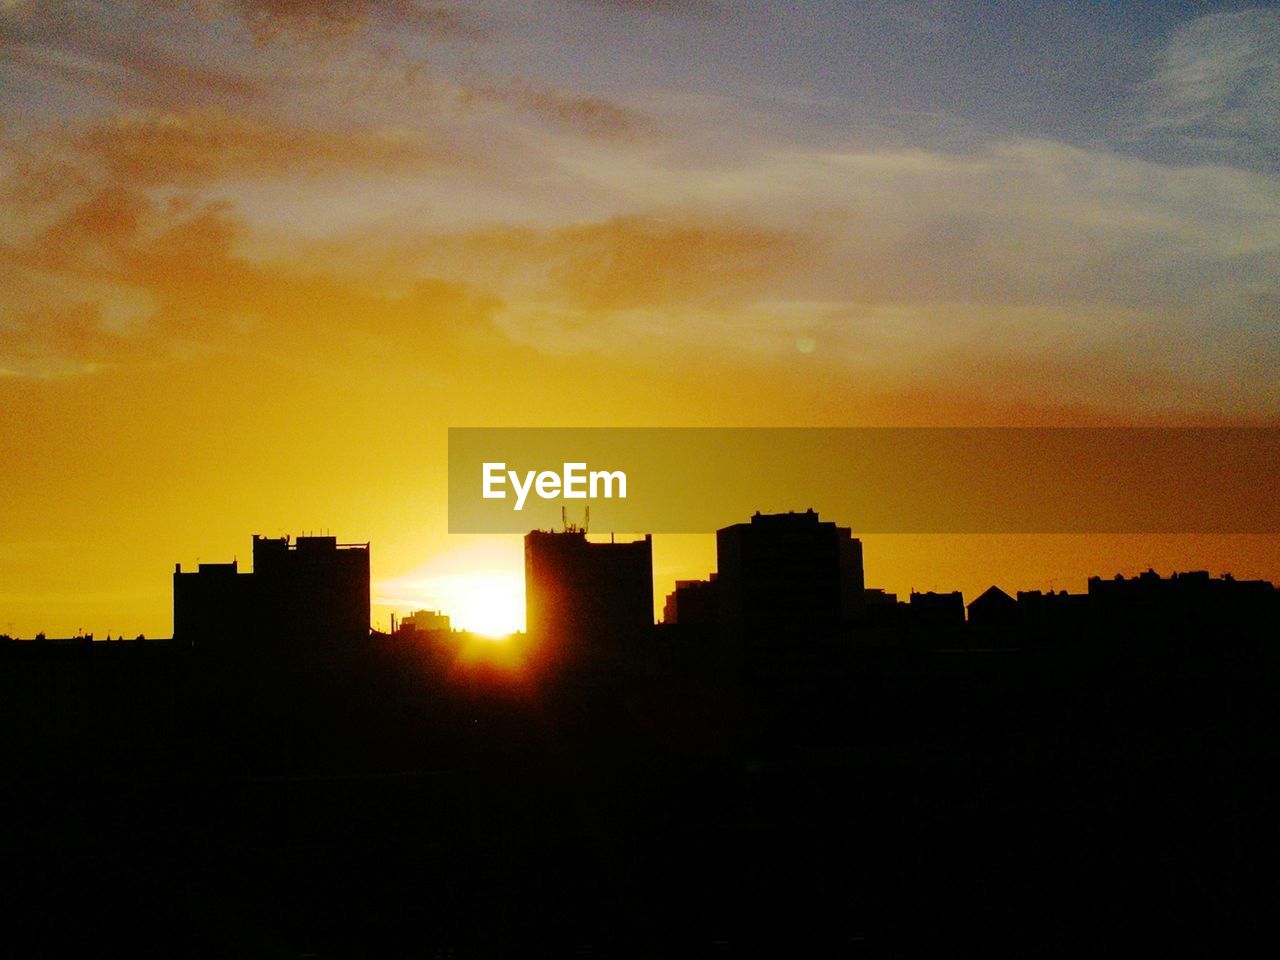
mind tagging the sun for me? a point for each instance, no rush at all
(478, 583)
(490, 604)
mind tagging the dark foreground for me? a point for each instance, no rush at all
(1022, 801)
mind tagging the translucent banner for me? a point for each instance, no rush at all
(875, 480)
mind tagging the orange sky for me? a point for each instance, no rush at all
(256, 257)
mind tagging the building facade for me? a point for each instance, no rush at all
(308, 593)
(787, 575)
(586, 599)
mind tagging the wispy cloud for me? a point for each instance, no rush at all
(699, 8)
(595, 223)
(122, 279)
(193, 147)
(331, 19)
(589, 116)
(628, 262)
(1215, 93)
(132, 72)
(65, 341)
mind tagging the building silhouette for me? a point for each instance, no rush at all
(586, 600)
(1060, 759)
(424, 622)
(1053, 611)
(787, 575)
(311, 593)
(993, 607)
(693, 602)
(1185, 602)
(215, 603)
(934, 609)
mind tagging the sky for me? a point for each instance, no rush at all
(256, 256)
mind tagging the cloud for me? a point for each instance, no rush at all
(594, 117)
(119, 247)
(446, 192)
(163, 78)
(91, 236)
(144, 54)
(273, 19)
(617, 264)
(904, 264)
(698, 8)
(66, 340)
(632, 261)
(191, 147)
(1020, 222)
(1215, 93)
(133, 71)
(124, 278)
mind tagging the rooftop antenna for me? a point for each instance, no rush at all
(570, 527)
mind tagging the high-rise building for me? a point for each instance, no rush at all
(212, 604)
(313, 588)
(585, 599)
(693, 602)
(787, 575)
(312, 593)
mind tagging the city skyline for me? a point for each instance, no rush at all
(258, 257)
(791, 759)
(926, 357)
(224, 601)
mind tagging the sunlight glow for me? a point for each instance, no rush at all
(490, 604)
(477, 581)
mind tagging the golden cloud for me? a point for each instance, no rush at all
(67, 339)
(120, 248)
(626, 262)
(327, 19)
(191, 147)
(589, 116)
(631, 261)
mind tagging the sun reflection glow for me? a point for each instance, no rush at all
(490, 604)
(479, 584)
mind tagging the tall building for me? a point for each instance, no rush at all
(212, 603)
(312, 593)
(585, 599)
(313, 588)
(787, 575)
(693, 602)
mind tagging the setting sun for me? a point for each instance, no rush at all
(490, 604)
(479, 584)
